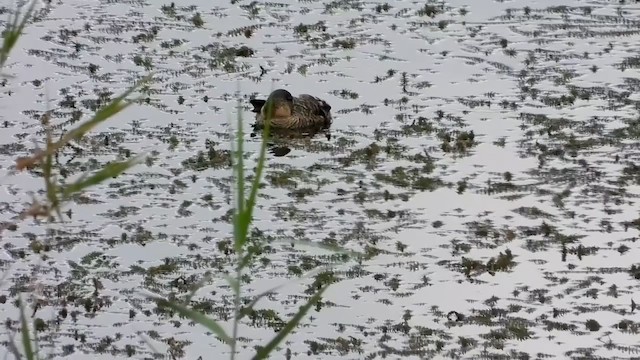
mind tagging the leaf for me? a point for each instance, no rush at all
(271, 290)
(26, 338)
(47, 168)
(199, 285)
(148, 342)
(264, 352)
(111, 109)
(234, 283)
(241, 225)
(244, 212)
(13, 32)
(251, 202)
(108, 171)
(194, 315)
(13, 349)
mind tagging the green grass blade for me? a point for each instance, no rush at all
(13, 349)
(111, 109)
(108, 171)
(149, 344)
(47, 169)
(273, 289)
(255, 300)
(264, 352)
(245, 260)
(115, 106)
(36, 347)
(199, 285)
(13, 32)
(234, 283)
(196, 316)
(247, 213)
(251, 202)
(26, 338)
(241, 225)
(26, 17)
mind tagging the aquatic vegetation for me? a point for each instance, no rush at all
(213, 158)
(430, 10)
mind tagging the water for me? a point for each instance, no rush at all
(545, 186)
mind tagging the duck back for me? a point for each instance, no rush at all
(312, 111)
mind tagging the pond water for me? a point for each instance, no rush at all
(482, 155)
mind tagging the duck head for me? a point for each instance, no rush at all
(279, 104)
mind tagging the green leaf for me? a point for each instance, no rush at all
(271, 290)
(244, 213)
(251, 202)
(234, 283)
(241, 225)
(26, 338)
(108, 171)
(199, 285)
(13, 349)
(115, 106)
(196, 316)
(13, 31)
(47, 169)
(101, 115)
(149, 344)
(264, 352)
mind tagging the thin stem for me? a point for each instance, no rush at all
(239, 232)
(236, 311)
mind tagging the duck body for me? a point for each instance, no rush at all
(287, 112)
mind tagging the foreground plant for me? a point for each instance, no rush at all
(242, 219)
(56, 195)
(13, 31)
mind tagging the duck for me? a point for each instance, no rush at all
(288, 112)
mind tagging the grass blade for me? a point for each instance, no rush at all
(13, 32)
(234, 283)
(13, 349)
(245, 310)
(264, 352)
(251, 202)
(47, 168)
(273, 289)
(196, 316)
(115, 106)
(149, 344)
(199, 285)
(36, 353)
(247, 213)
(26, 338)
(241, 224)
(108, 171)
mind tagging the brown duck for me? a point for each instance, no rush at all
(292, 113)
